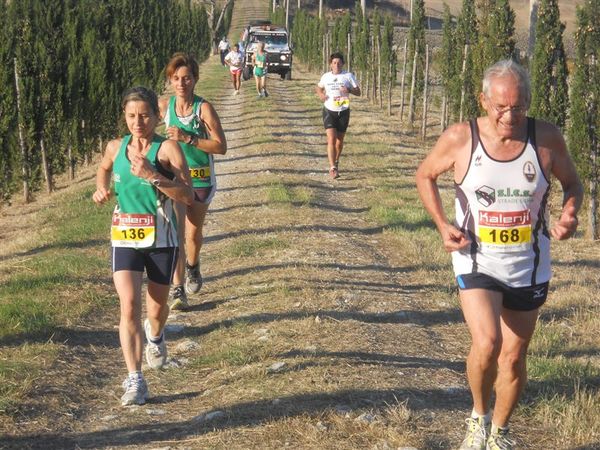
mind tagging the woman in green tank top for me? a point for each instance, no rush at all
(194, 123)
(259, 62)
(150, 174)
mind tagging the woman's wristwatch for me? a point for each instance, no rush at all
(192, 140)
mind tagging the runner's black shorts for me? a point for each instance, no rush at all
(336, 119)
(159, 262)
(515, 298)
(204, 194)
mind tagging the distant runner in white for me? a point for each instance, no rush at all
(334, 90)
(500, 238)
(235, 61)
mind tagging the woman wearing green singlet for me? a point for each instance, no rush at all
(259, 62)
(193, 122)
(150, 174)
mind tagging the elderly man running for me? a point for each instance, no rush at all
(500, 238)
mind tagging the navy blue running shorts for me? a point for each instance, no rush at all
(515, 298)
(338, 120)
(204, 194)
(159, 262)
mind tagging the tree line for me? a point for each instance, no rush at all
(483, 33)
(64, 65)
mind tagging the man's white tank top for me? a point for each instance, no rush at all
(501, 206)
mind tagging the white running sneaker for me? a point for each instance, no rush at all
(499, 440)
(156, 354)
(179, 299)
(136, 390)
(193, 278)
(476, 434)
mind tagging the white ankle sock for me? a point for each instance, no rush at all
(487, 417)
(495, 428)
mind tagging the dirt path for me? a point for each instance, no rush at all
(314, 329)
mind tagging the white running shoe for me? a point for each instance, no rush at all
(499, 440)
(179, 299)
(193, 278)
(136, 390)
(476, 435)
(156, 354)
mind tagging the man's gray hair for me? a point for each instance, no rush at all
(508, 67)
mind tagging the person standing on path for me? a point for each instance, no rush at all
(150, 173)
(195, 125)
(500, 238)
(223, 49)
(259, 62)
(334, 90)
(235, 60)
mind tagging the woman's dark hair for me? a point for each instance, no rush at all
(336, 55)
(179, 60)
(141, 94)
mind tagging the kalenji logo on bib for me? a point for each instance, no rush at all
(133, 220)
(504, 218)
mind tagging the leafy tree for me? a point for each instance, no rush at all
(342, 27)
(23, 14)
(8, 157)
(375, 40)
(496, 31)
(344, 31)
(336, 42)
(307, 36)
(416, 39)
(362, 44)
(388, 54)
(583, 134)
(550, 99)
(466, 35)
(75, 58)
(502, 29)
(448, 67)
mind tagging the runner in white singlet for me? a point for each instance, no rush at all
(334, 89)
(501, 205)
(500, 240)
(235, 61)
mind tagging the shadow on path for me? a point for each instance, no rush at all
(244, 414)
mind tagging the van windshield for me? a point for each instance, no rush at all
(270, 39)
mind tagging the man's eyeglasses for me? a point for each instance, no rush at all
(518, 110)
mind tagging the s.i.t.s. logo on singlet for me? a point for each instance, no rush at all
(486, 195)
